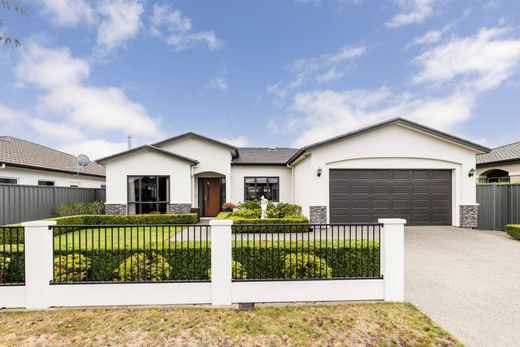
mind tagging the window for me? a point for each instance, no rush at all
(103, 186)
(4, 180)
(45, 183)
(74, 184)
(255, 187)
(147, 194)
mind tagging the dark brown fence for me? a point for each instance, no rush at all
(499, 204)
(20, 203)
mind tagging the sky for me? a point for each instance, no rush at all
(282, 73)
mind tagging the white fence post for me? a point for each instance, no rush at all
(392, 258)
(39, 263)
(221, 258)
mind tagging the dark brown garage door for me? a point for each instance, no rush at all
(422, 197)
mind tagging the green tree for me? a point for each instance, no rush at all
(18, 7)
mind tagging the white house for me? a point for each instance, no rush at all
(397, 168)
(27, 163)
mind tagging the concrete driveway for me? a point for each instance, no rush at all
(468, 281)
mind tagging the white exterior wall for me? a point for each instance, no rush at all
(239, 172)
(392, 147)
(512, 168)
(31, 177)
(212, 159)
(150, 163)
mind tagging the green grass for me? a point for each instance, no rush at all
(376, 324)
(116, 238)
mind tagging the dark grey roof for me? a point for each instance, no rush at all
(22, 153)
(192, 134)
(263, 156)
(401, 121)
(502, 153)
(149, 147)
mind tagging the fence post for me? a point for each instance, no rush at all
(392, 258)
(221, 258)
(39, 263)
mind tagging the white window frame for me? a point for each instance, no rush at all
(11, 178)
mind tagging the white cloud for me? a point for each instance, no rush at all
(68, 12)
(327, 67)
(58, 131)
(219, 81)
(485, 60)
(95, 149)
(411, 12)
(324, 114)
(121, 21)
(239, 141)
(9, 119)
(431, 37)
(175, 29)
(63, 79)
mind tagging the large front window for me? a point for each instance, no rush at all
(256, 187)
(148, 194)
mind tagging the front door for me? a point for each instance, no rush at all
(211, 197)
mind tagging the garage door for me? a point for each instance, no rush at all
(422, 197)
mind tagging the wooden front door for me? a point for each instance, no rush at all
(211, 197)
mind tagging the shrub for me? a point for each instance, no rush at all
(4, 267)
(513, 230)
(270, 225)
(11, 235)
(247, 213)
(282, 210)
(80, 208)
(259, 259)
(305, 265)
(249, 205)
(237, 271)
(143, 267)
(71, 268)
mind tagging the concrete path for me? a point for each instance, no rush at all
(468, 281)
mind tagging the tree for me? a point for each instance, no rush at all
(18, 8)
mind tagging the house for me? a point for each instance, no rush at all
(500, 165)
(397, 168)
(27, 163)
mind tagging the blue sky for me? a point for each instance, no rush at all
(257, 73)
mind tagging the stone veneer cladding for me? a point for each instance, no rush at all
(318, 214)
(180, 208)
(469, 216)
(115, 209)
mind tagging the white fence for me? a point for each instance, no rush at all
(39, 293)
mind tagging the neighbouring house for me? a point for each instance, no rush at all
(397, 169)
(27, 163)
(500, 165)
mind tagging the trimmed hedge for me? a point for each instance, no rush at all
(258, 259)
(513, 230)
(101, 219)
(276, 227)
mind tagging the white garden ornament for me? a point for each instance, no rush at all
(263, 206)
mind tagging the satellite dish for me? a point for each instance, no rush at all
(82, 160)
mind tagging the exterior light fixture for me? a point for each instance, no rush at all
(471, 172)
(319, 172)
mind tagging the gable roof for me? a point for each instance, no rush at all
(26, 154)
(503, 153)
(263, 156)
(399, 121)
(202, 137)
(148, 147)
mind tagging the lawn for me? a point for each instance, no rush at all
(378, 324)
(118, 238)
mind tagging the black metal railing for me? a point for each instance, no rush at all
(12, 256)
(306, 252)
(131, 253)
